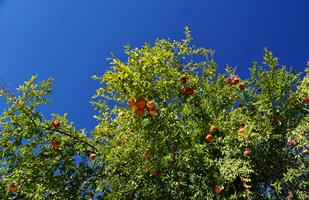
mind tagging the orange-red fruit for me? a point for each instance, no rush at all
(228, 80)
(293, 143)
(184, 79)
(148, 154)
(55, 144)
(131, 102)
(92, 156)
(141, 103)
(151, 104)
(213, 129)
(241, 87)
(247, 153)
(306, 99)
(153, 112)
(135, 107)
(235, 80)
(56, 123)
(208, 138)
(140, 112)
(12, 187)
(217, 190)
(190, 91)
(183, 91)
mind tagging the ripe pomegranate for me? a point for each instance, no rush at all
(56, 123)
(190, 91)
(55, 144)
(12, 187)
(131, 102)
(228, 80)
(92, 156)
(153, 112)
(293, 142)
(151, 104)
(208, 138)
(217, 190)
(235, 80)
(213, 129)
(140, 112)
(141, 103)
(183, 91)
(247, 153)
(134, 107)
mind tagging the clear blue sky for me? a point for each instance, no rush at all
(70, 40)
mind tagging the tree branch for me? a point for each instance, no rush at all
(73, 136)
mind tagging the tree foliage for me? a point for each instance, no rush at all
(170, 126)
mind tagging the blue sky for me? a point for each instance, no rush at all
(70, 40)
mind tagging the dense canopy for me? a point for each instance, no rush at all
(171, 125)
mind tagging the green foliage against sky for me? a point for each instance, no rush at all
(170, 126)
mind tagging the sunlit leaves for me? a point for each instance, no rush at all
(190, 167)
(257, 150)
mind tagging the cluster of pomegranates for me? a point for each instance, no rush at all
(140, 106)
(235, 81)
(185, 87)
(209, 137)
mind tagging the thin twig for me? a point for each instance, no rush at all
(72, 136)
